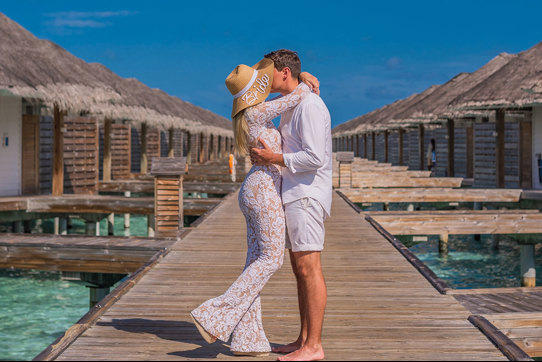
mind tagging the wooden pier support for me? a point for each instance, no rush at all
(477, 206)
(18, 227)
(56, 226)
(90, 227)
(528, 267)
(443, 245)
(127, 217)
(111, 224)
(150, 226)
(99, 285)
(168, 195)
(63, 226)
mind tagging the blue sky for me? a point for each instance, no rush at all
(366, 54)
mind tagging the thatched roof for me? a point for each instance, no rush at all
(517, 84)
(438, 103)
(428, 106)
(379, 119)
(39, 69)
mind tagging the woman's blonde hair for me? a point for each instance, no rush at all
(240, 132)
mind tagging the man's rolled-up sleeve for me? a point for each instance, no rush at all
(312, 131)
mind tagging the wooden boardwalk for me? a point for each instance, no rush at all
(78, 253)
(379, 306)
(516, 312)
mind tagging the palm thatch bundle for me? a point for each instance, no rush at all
(517, 84)
(40, 70)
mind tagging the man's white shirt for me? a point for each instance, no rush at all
(307, 152)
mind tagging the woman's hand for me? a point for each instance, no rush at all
(311, 81)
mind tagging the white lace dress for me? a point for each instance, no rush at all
(238, 311)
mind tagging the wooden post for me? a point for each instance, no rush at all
(421, 145)
(386, 147)
(477, 206)
(373, 146)
(171, 150)
(90, 228)
(168, 195)
(470, 150)
(56, 227)
(127, 217)
(526, 151)
(63, 226)
(58, 152)
(144, 166)
(401, 146)
(451, 148)
(107, 150)
(18, 227)
(528, 267)
(150, 226)
(443, 245)
(188, 148)
(111, 224)
(500, 114)
(365, 154)
(202, 158)
(211, 148)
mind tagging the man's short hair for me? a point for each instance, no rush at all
(286, 58)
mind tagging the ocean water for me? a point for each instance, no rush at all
(472, 264)
(37, 307)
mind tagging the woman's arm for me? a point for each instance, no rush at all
(311, 81)
(267, 111)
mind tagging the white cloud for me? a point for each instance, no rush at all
(79, 20)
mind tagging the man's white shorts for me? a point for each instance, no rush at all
(305, 225)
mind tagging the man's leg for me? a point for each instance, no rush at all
(309, 267)
(294, 346)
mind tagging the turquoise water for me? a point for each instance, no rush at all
(37, 307)
(472, 264)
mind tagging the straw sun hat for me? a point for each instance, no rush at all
(250, 85)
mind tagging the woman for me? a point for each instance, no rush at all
(237, 313)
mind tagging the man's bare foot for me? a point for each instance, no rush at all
(305, 353)
(288, 348)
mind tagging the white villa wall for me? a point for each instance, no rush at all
(10, 156)
(537, 144)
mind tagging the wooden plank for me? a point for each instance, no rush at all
(432, 195)
(460, 223)
(507, 346)
(381, 182)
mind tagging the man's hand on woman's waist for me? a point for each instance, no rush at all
(265, 156)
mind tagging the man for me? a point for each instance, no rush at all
(306, 194)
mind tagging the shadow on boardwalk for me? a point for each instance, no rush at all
(176, 331)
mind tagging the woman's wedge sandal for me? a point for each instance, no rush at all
(206, 335)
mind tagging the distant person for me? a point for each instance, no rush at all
(237, 313)
(233, 163)
(431, 155)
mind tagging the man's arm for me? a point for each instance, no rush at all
(313, 136)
